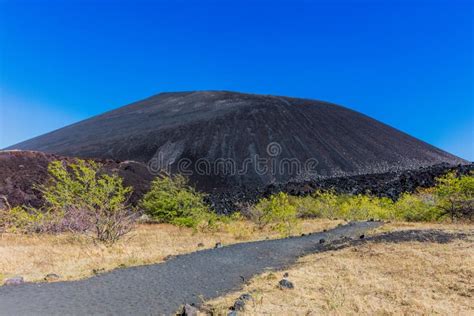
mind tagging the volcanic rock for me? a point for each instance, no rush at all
(225, 139)
(285, 284)
(235, 147)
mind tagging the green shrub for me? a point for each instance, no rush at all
(79, 198)
(172, 200)
(278, 212)
(318, 205)
(455, 196)
(417, 207)
(20, 220)
(362, 207)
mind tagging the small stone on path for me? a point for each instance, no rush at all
(16, 280)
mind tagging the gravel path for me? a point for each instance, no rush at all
(160, 289)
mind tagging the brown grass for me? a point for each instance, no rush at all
(75, 257)
(372, 279)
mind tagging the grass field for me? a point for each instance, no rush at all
(76, 256)
(409, 278)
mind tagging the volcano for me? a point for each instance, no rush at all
(225, 139)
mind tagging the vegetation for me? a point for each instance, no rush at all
(451, 199)
(455, 196)
(172, 200)
(78, 199)
(81, 199)
(369, 279)
(278, 212)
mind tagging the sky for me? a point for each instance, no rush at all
(406, 63)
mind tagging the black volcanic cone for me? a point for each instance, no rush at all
(218, 137)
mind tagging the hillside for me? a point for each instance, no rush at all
(213, 130)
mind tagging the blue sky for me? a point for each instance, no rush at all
(409, 64)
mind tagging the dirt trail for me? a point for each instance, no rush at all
(160, 289)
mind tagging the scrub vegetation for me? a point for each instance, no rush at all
(88, 226)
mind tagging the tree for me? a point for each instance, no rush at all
(79, 191)
(456, 195)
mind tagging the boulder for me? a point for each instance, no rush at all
(239, 305)
(51, 277)
(285, 284)
(16, 280)
(189, 310)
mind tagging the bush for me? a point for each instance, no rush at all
(417, 207)
(278, 213)
(19, 220)
(319, 205)
(362, 207)
(455, 196)
(80, 199)
(452, 197)
(172, 200)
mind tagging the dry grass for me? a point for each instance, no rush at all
(372, 279)
(75, 257)
(397, 226)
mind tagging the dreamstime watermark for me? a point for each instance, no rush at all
(272, 164)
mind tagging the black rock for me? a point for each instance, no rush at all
(51, 277)
(176, 125)
(245, 297)
(189, 310)
(285, 275)
(322, 241)
(362, 236)
(218, 245)
(285, 284)
(239, 305)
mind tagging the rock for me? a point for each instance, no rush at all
(200, 245)
(362, 236)
(144, 219)
(51, 277)
(245, 297)
(239, 305)
(168, 257)
(16, 280)
(189, 310)
(286, 275)
(285, 284)
(218, 245)
(322, 241)
(98, 270)
(302, 235)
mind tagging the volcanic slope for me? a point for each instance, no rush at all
(213, 125)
